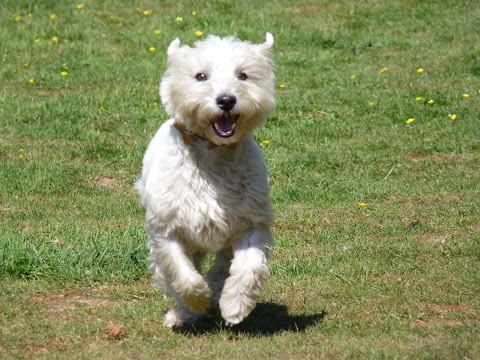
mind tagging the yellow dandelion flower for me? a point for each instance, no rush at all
(384, 69)
(80, 6)
(418, 98)
(155, 104)
(266, 142)
(26, 65)
(37, 41)
(31, 81)
(453, 117)
(465, 96)
(430, 102)
(353, 77)
(411, 120)
(194, 13)
(21, 156)
(371, 103)
(53, 16)
(362, 204)
(157, 32)
(147, 13)
(54, 39)
(151, 49)
(198, 33)
(282, 86)
(420, 70)
(30, 15)
(18, 18)
(179, 19)
(64, 73)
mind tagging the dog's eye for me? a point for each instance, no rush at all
(201, 77)
(242, 76)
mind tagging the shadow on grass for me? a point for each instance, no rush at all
(265, 320)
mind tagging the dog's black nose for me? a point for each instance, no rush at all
(226, 102)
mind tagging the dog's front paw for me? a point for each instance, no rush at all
(235, 305)
(234, 311)
(196, 295)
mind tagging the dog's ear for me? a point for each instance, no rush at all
(174, 45)
(267, 45)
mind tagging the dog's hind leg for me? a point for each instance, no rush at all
(248, 274)
(179, 316)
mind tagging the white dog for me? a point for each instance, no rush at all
(204, 181)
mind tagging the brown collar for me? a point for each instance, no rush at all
(189, 138)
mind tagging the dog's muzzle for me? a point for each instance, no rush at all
(224, 125)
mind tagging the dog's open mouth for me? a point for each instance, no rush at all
(224, 125)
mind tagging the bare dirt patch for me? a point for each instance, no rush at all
(107, 181)
(439, 315)
(442, 239)
(115, 184)
(70, 301)
(426, 200)
(445, 309)
(436, 323)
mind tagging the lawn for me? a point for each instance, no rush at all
(374, 158)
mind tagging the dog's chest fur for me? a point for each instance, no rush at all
(205, 196)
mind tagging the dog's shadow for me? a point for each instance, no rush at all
(266, 319)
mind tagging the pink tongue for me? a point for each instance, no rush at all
(225, 123)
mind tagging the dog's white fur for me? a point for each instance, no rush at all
(202, 199)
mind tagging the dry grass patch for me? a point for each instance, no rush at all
(114, 332)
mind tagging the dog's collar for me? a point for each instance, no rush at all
(189, 138)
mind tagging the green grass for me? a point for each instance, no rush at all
(396, 278)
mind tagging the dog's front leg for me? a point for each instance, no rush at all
(248, 274)
(181, 275)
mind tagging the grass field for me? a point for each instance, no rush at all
(374, 158)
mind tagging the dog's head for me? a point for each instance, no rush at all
(221, 89)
